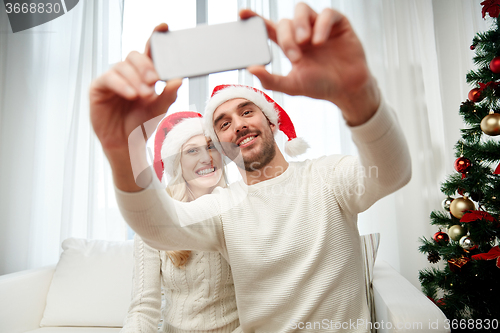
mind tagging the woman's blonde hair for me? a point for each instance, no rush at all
(178, 189)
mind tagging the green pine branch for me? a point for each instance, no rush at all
(487, 152)
(444, 220)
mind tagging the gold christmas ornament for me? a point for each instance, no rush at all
(491, 124)
(460, 205)
(456, 232)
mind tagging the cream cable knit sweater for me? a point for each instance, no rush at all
(199, 297)
(292, 241)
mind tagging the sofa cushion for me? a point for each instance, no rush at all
(92, 284)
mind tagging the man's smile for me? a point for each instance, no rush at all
(246, 140)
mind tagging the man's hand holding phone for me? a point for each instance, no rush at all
(328, 62)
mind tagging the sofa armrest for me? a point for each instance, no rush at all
(402, 305)
(24, 295)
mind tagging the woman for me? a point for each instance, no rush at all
(198, 286)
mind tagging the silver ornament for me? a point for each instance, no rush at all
(446, 203)
(466, 243)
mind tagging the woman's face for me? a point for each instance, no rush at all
(201, 164)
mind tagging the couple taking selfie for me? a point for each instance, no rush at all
(279, 250)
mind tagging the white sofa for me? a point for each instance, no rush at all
(89, 290)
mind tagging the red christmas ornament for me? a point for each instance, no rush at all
(462, 164)
(495, 65)
(441, 238)
(475, 95)
(472, 47)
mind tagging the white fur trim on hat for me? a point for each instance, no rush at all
(179, 135)
(233, 92)
(296, 147)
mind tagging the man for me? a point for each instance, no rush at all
(289, 230)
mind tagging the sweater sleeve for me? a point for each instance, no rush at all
(145, 308)
(168, 224)
(383, 165)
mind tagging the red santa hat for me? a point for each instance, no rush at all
(272, 110)
(172, 132)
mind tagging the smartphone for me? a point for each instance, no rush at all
(210, 48)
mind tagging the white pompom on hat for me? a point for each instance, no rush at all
(272, 110)
(172, 132)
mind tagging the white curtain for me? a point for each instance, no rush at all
(54, 180)
(419, 52)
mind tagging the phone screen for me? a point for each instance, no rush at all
(210, 49)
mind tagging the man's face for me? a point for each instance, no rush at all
(241, 126)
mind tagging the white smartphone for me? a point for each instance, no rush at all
(210, 48)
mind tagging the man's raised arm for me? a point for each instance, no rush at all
(121, 100)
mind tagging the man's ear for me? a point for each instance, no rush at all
(271, 125)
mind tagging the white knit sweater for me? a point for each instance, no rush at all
(199, 297)
(292, 241)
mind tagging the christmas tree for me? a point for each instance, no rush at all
(465, 282)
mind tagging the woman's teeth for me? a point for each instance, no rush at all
(205, 171)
